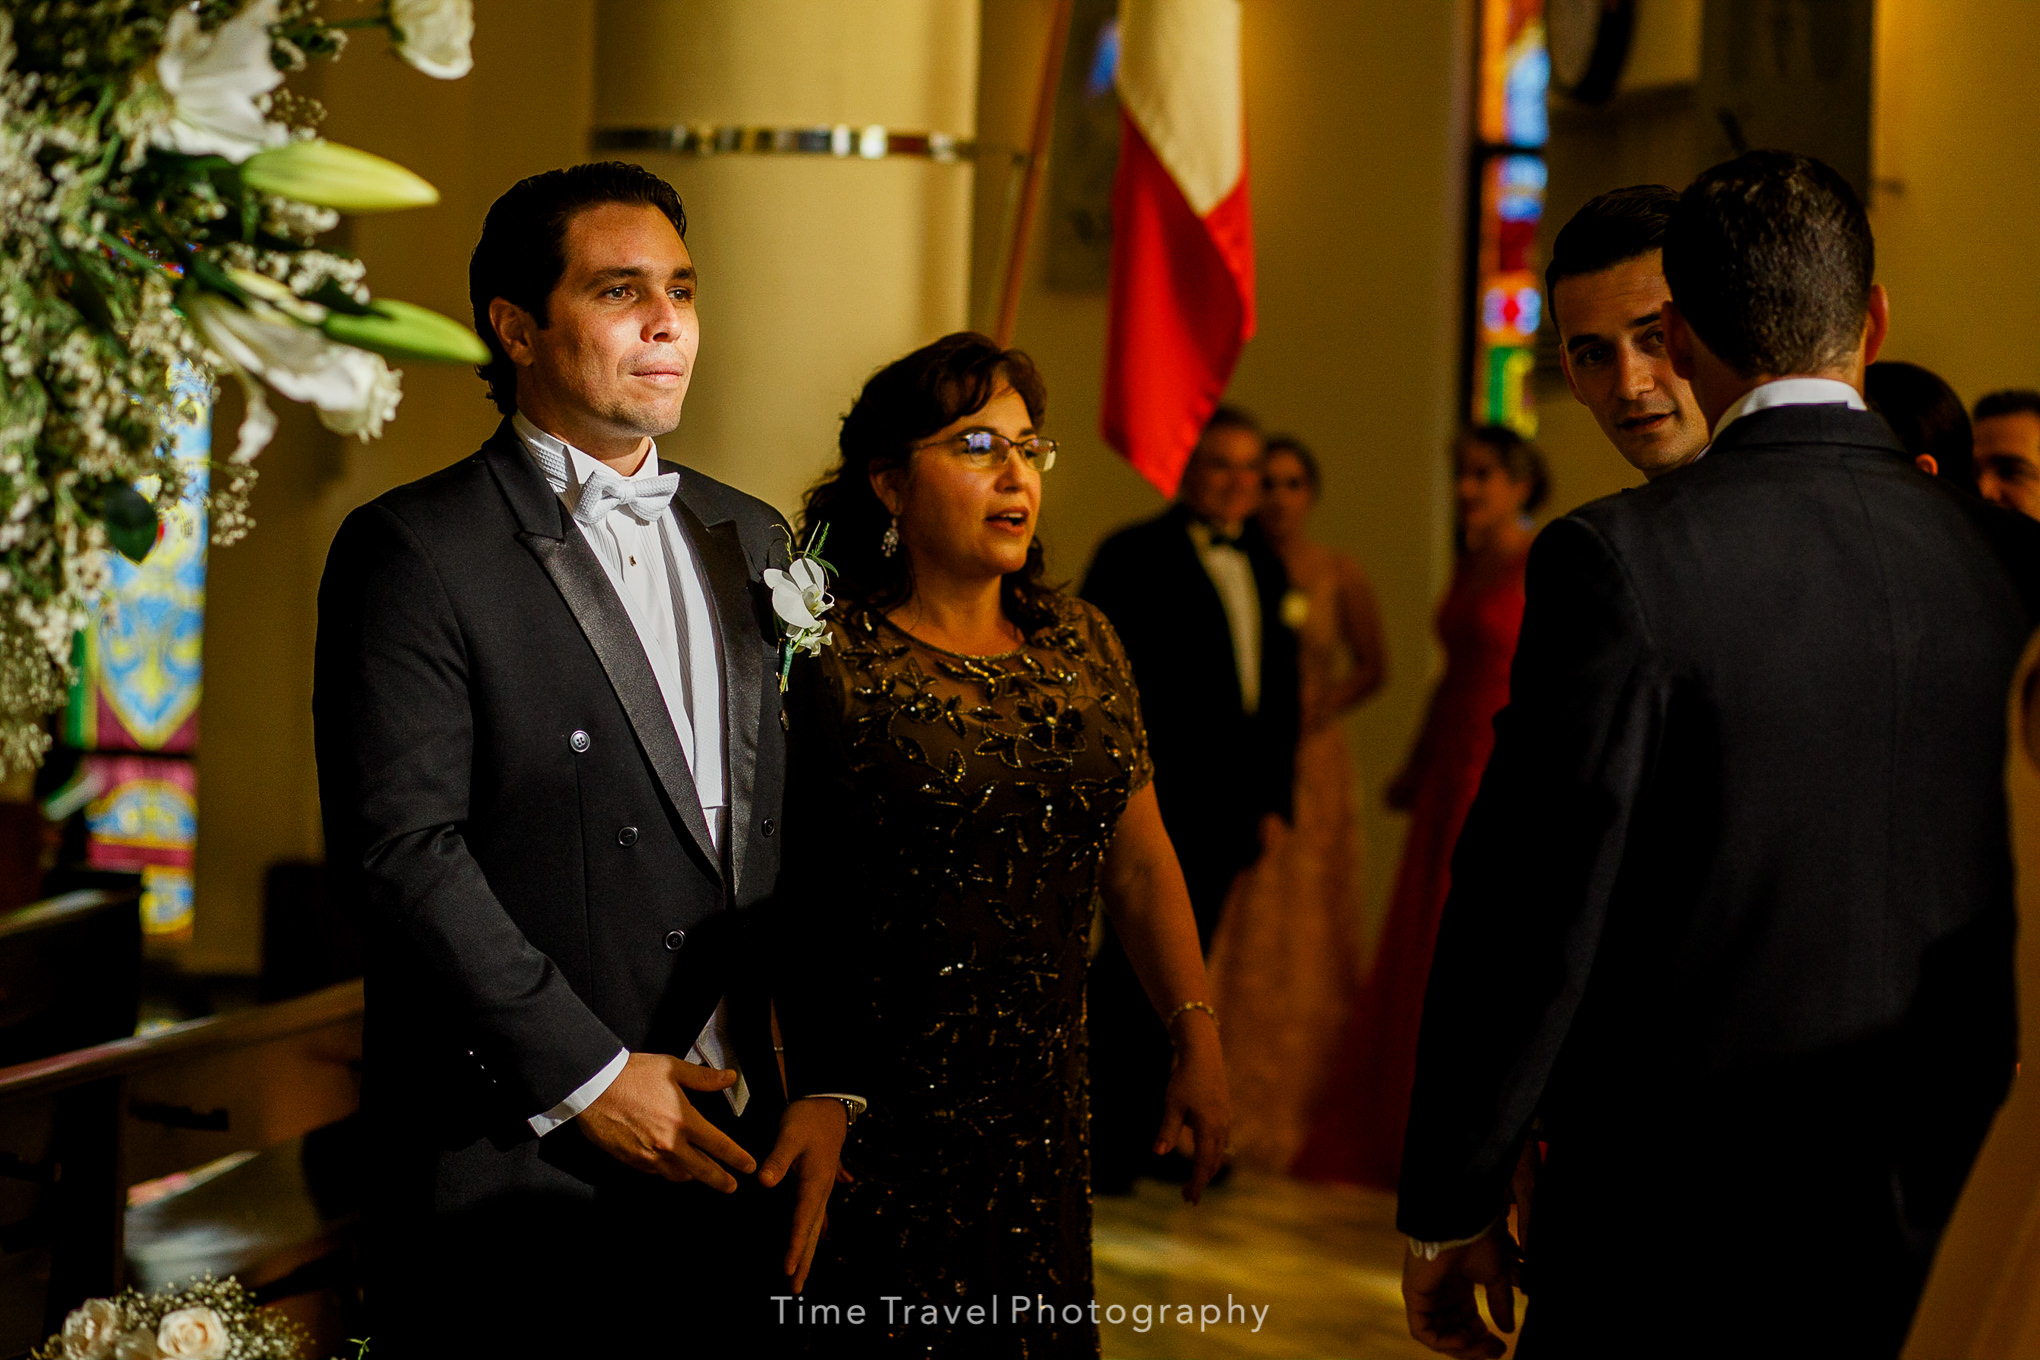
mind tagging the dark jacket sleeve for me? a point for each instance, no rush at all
(817, 942)
(1531, 881)
(395, 743)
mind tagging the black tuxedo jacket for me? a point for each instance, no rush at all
(505, 796)
(1217, 769)
(1737, 884)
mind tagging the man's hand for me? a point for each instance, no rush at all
(644, 1121)
(810, 1142)
(1438, 1296)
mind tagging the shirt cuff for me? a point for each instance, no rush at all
(586, 1094)
(857, 1104)
(1431, 1251)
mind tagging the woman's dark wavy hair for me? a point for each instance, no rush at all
(1522, 461)
(903, 403)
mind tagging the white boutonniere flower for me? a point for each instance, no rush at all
(800, 596)
(1295, 609)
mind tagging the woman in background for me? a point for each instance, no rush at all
(969, 776)
(1358, 1129)
(1928, 418)
(1285, 959)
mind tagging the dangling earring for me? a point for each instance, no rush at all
(890, 544)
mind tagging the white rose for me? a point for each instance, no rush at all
(355, 391)
(213, 80)
(90, 1331)
(192, 1334)
(136, 1346)
(435, 35)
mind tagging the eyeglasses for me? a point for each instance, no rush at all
(984, 450)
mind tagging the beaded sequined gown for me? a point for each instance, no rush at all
(972, 801)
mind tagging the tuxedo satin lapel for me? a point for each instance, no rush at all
(728, 573)
(582, 583)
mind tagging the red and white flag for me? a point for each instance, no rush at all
(1182, 236)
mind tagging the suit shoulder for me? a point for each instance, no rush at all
(724, 501)
(423, 501)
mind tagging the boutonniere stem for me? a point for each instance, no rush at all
(800, 596)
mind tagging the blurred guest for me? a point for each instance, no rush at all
(1606, 287)
(1983, 1297)
(1284, 958)
(1357, 1134)
(2008, 450)
(1732, 915)
(1926, 415)
(1196, 596)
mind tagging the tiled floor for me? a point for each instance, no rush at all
(1322, 1263)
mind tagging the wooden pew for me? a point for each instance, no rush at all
(77, 1130)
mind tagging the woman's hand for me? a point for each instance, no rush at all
(1197, 1107)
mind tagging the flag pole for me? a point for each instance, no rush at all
(1037, 156)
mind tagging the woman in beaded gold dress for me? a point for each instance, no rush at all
(969, 778)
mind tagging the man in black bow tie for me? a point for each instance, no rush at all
(552, 766)
(1196, 595)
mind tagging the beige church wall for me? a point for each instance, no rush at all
(1956, 206)
(1355, 118)
(524, 108)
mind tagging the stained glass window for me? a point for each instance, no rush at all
(1515, 71)
(133, 711)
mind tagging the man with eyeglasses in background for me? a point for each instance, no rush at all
(1196, 596)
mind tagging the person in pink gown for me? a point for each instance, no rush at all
(1357, 1132)
(1285, 960)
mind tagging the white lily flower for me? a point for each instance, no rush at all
(800, 594)
(213, 80)
(436, 36)
(355, 391)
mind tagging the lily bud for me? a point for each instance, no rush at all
(329, 175)
(402, 331)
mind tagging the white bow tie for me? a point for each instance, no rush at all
(645, 498)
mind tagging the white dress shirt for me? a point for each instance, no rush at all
(1233, 575)
(1790, 392)
(652, 566)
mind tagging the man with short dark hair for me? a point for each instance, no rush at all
(1195, 594)
(2007, 449)
(1606, 288)
(1731, 916)
(551, 761)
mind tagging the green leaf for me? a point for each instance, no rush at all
(402, 331)
(131, 522)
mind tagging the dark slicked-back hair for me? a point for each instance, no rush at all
(1769, 257)
(1926, 415)
(1229, 417)
(2009, 402)
(1613, 228)
(902, 404)
(522, 252)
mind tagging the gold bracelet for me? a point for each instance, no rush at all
(1190, 1006)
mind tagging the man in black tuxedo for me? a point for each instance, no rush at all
(1732, 913)
(551, 759)
(1196, 596)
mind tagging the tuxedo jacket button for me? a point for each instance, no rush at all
(627, 836)
(675, 938)
(769, 827)
(580, 740)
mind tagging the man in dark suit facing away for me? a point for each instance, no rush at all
(1732, 913)
(1196, 596)
(552, 764)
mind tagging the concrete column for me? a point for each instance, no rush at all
(815, 270)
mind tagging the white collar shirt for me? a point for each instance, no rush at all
(658, 578)
(1790, 392)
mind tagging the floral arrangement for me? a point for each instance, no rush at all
(207, 1319)
(160, 202)
(800, 596)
